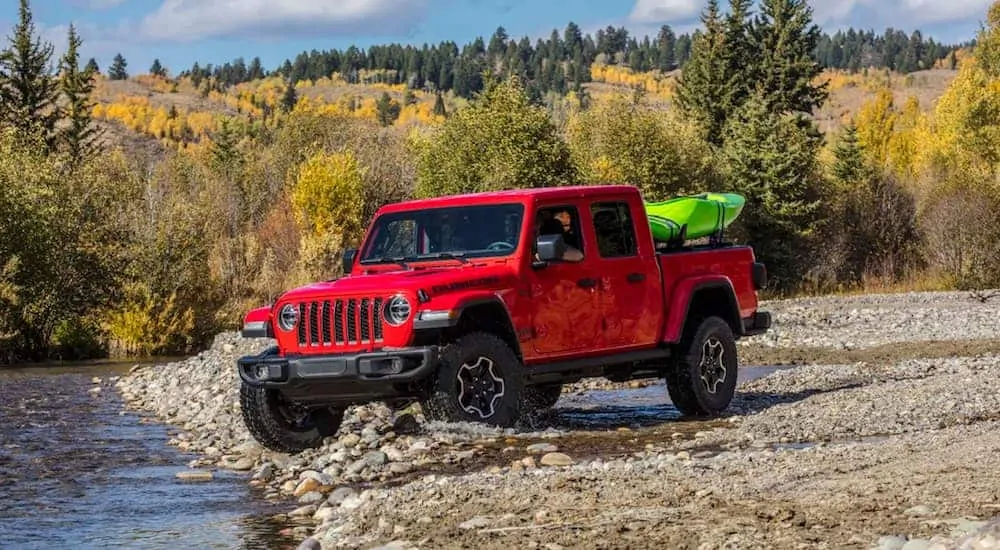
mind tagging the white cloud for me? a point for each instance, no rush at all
(662, 11)
(896, 13)
(190, 20)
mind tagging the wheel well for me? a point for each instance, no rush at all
(715, 300)
(489, 317)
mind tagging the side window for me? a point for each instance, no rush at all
(562, 219)
(614, 229)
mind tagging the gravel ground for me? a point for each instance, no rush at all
(870, 320)
(884, 450)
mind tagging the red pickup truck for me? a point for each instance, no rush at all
(481, 306)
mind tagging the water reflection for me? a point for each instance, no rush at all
(77, 472)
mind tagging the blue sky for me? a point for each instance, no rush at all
(179, 32)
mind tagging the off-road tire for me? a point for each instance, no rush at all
(542, 396)
(271, 427)
(687, 390)
(481, 358)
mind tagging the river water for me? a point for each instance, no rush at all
(77, 471)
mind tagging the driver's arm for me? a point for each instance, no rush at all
(572, 255)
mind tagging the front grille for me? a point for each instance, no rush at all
(344, 322)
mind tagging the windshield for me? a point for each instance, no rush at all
(455, 232)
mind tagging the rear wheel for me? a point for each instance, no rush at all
(479, 380)
(283, 426)
(702, 381)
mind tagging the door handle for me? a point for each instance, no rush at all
(587, 283)
(636, 277)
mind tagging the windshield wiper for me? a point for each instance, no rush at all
(460, 256)
(401, 260)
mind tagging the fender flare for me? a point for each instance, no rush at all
(683, 296)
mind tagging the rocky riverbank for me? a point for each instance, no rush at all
(877, 450)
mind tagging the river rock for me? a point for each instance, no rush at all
(541, 448)
(477, 522)
(350, 440)
(307, 485)
(891, 542)
(303, 511)
(340, 494)
(556, 459)
(242, 464)
(312, 497)
(195, 475)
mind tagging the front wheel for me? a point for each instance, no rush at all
(702, 381)
(479, 380)
(285, 427)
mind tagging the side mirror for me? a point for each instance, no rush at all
(550, 247)
(349, 255)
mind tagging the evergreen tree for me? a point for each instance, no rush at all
(78, 137)
(256, 70)
(741, 59)
(290, 98)
(157, 70)
(118, 70)
(439, 109)
(666, 41)
(703, 87)
(849, 165)
(92, 67)
(771, 160)
(28, 92)
(785, 41)
(386, 110)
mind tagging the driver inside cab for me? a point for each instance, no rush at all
(546, 224)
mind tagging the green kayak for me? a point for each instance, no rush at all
(693, 217)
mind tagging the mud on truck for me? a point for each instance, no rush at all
(482, 306)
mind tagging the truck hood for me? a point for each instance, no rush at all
(433, 280)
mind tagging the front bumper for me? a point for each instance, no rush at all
(346, 378)
(756, 324)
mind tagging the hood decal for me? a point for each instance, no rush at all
(438, 290)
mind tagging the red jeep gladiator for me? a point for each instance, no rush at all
(481, 306)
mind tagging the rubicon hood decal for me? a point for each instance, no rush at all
(438, 290)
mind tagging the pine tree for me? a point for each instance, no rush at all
(157, 69)
(28, 96)
(78, 137)
(702, 89)
(92, 67)
(118, 69)
(386, 110)
(290, 97)
(785, 41)
(771, 160)
(741, 59)
(666, 41)
(849, 165)
(439, 109)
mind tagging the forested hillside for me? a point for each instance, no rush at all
(142, 213)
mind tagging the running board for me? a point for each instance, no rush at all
(589, 367)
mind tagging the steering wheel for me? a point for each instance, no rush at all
(500, 245)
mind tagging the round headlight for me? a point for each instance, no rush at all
(287, 317)
(397, 310)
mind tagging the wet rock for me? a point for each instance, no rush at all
(307, 485)
(243, 464)
(303, 511)
(405, 424)
(195, 475)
